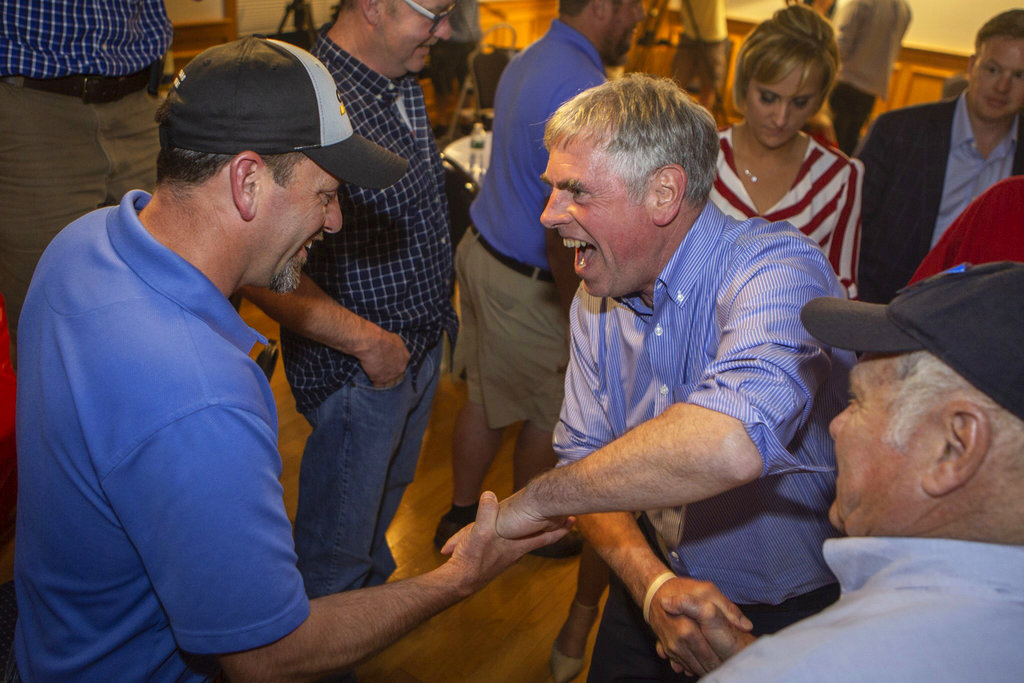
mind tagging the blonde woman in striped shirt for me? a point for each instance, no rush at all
(766, 165)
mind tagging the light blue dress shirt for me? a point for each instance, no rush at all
(967, 173)
(725, 334)
(912, 609)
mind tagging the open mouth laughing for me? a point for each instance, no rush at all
(581, 247)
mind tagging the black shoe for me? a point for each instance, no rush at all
(567, 546)
(446, 528)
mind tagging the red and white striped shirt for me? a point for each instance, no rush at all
(823, 203)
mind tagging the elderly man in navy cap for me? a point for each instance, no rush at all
(930, 494)
(152, 539)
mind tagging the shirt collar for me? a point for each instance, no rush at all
(963, 134)
(683, 270)
(172, 276)
(563, 31)
(921, 563)
(376, 85)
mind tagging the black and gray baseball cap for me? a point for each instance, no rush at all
(271, 97)
(971, 317)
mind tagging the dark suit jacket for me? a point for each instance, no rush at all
(904, 158)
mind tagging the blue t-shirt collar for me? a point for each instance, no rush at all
(571, 35)
(173, 276)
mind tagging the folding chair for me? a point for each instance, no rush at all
(492, 54)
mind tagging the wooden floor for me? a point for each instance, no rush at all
(501, 634)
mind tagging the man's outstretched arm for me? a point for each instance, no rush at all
(686, 454)
(345, 628)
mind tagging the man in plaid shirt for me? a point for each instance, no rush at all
(362, 333)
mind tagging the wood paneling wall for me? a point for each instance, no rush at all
(192, 37)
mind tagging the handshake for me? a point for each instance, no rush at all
(497, 538)
(696, 625)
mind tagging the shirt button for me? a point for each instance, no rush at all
(664, 390)
(679, 297)
(444, 240)
(658, 329)
(674, 554)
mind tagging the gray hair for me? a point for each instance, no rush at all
(642, 123)
(924, 381)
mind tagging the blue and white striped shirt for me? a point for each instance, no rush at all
(725, 334)
(391, 263)
(50, 39)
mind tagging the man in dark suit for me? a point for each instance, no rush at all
(924, 164)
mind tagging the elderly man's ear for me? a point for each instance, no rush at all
(967, 437)
(665, 194)
(371, 10)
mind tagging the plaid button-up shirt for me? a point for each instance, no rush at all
(49, 39)
(391, 263)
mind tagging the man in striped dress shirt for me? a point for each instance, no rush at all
(691, 381)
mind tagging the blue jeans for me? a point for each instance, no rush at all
(358, 460)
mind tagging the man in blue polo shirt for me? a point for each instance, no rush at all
(152, 539)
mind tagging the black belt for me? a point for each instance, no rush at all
(91, 89)
(818, 599)
(532, 272)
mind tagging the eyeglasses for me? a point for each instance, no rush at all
(436, 19)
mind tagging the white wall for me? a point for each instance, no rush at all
(944, 25)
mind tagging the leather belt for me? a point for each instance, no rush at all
(532, 272)
(91, 89)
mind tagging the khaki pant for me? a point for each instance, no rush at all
(59, 159)
(513, 340)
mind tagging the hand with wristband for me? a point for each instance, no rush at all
(696, 626)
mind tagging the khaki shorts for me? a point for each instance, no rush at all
(513, 340)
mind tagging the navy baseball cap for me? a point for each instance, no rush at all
(971, 317)
(271, 97)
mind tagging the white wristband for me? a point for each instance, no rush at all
(658, 582)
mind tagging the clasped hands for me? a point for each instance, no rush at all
(697, 627)
(495, 540)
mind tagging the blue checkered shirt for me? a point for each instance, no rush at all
(51, 38)
(391, 263)
(725, 334)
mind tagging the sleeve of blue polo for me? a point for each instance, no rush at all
(768, 368)
(201, 502)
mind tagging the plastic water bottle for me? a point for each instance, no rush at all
(477, 142)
